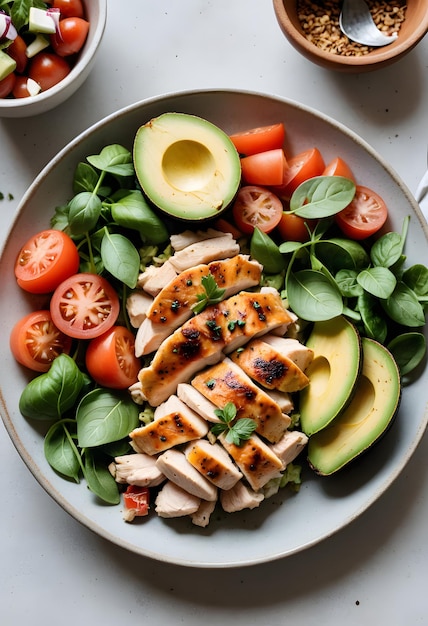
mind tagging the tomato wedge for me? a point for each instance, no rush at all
(292, 227)
(136, 501)
(35, 341)
(338, 167)
(299, 168)
(45, 260)
(256, 207)
(264, 168)
(111, 360)
(259, 139)
(364, 216)
(84, 306)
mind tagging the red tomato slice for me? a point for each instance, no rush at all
(71, 37)
(35, 341)
(84, 306)
(256, 207)
(364, 216)
(45, 260)
(111, 360)
(338, 167)
(264, 168)
(259, 139)
(136, 500)
(48, 69)
(299, 168)
(292, 227)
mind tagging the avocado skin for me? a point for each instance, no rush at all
(333, 373)
(367, 418)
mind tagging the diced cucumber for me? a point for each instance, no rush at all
(40, 21)
(7, 65)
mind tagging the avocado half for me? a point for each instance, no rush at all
(186, 166)
(333, 373)
(367, 417)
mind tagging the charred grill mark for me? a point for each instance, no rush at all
(269, 371)
(241, 389)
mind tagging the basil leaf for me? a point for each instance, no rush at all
(99, 479)
(85, 178)
(131, 210)
(312, 296)
(84, 211)
(322, 196)
(403, 307)
(104, 416)
(266, 252)
(120, 257)
(50, 395)
(408, 350)
(20, 12)
(61, 452)
(114, 159)
(379, 281)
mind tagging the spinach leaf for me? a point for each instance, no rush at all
(379, 281)
(313, 296)
(403, 307)
(387, 250)
(99, 479)
(130, 209)
(114, 159)
(266, 252)
(374, 324)
(84, 212)
(322, 196)
(61, 451)
(416, 278)
(120, 257)
(104, 416)
(408, 350)
(347, 282)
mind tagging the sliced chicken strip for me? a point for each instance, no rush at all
(283, 400)
(269, 367)
(174, 465)
(136, 469)
(255, 459)
(201, 340)
(199, 403)
(227, 382)
(213, 462)
(205, 251)
(240, 497)
(137, 305)
(174, 428)
(300, 354)
(189, 237)
(155, 278)
(202, 516)
(290, 446)
(173, 501)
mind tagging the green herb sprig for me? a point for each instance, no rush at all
(236, 431)
(212, 295)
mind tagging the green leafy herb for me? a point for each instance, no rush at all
(213, 294)
(237, 430)
(322, 196)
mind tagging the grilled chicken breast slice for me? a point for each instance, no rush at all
(175, 466)
(290, 446)
(171, 429)
(269, 367)
(202, 339)
(154, 278)
(240, 497)
(213, 462)
(255, 459)
(189, 237)
(201, 517)
(137, 305)
(204, 251)
(227, 382)
(197, 402)
(173, 501)
(300, 354)
(136, 469)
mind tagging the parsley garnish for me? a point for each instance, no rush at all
(213, 294)
(236, 432)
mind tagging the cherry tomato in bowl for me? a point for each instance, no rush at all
(259, 139)
(48, 69)
(110, 358)
(292, 227)
(45, 260)
(256, 207)
(35, 341)
(71, 36)
(69, 8)
(84, 306)
(299, 168)
(364, 216)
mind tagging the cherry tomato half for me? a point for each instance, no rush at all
(84, 306)
(259, 139)
(48, 69)
(364, 216)
(299, 168)
(45, 260)
(69, 8)
(111, 360)
(256, 207)
(71, 37)
(338, 167)
(35, 341)
(264, 168)
(17, 50)
(7, 85)
(136, 500)
(292, 227)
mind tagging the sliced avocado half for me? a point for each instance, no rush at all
(186, 166)
(332, 374)
(367, 417)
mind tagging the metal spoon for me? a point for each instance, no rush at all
(357, 23)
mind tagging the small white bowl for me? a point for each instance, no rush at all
(96, 12)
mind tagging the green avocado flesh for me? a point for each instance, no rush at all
(186, 166)
(369, 414)
(332, 374)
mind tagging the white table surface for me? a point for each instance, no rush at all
(52, 570)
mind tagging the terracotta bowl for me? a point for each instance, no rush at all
(412, 30)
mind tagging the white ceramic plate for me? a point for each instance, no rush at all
(284, 524)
